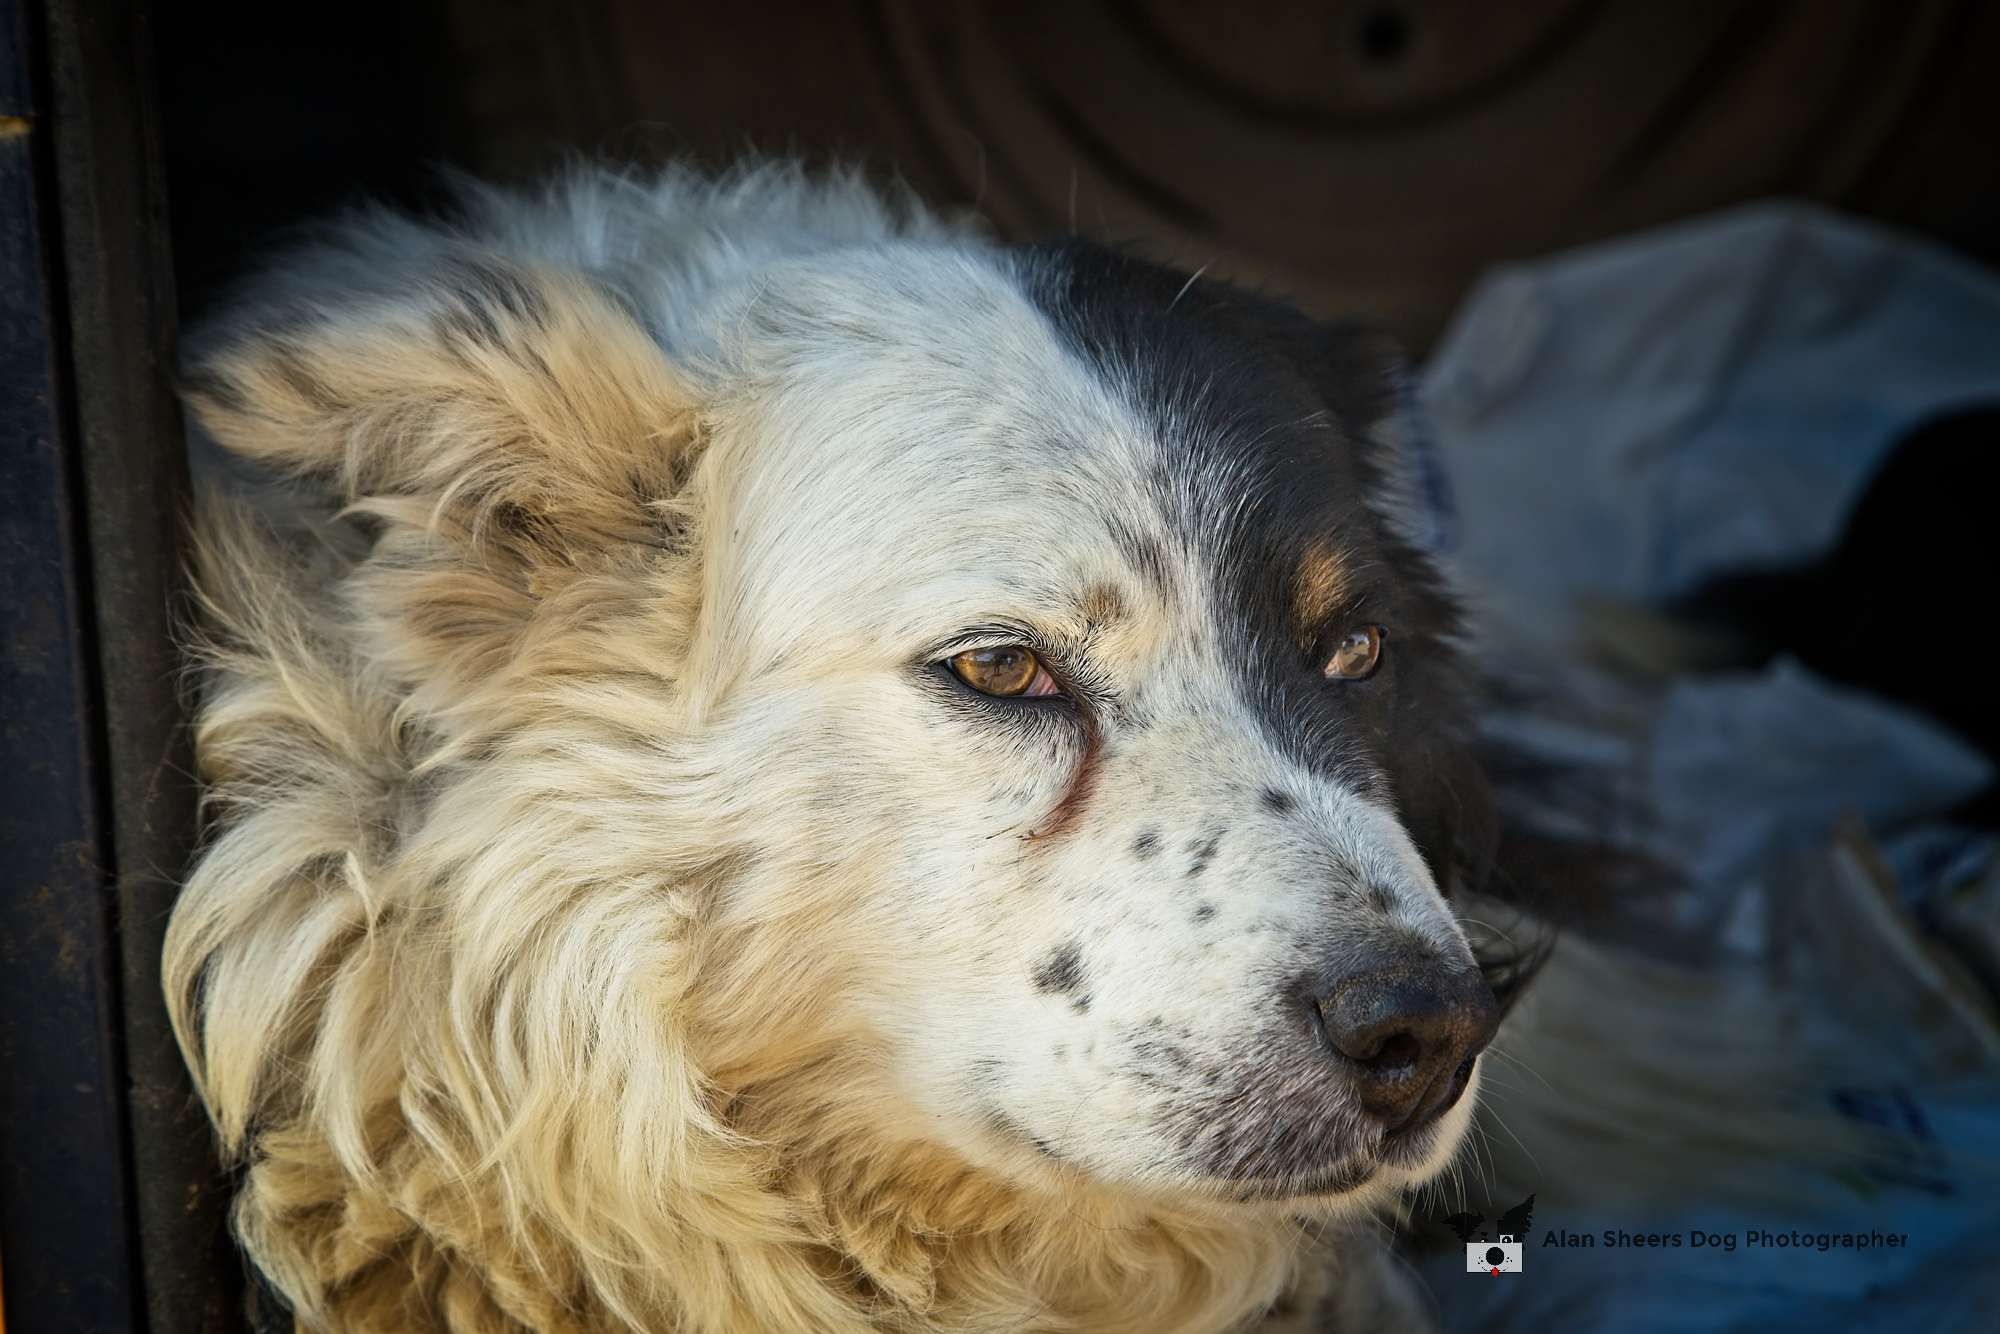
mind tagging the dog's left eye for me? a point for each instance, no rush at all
(1357, 655)
(1009, 671)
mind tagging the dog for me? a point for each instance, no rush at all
(775, 763)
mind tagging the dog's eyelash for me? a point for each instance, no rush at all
(994, 634)
(1006, 639)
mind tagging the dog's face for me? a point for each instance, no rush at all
(1122, 724)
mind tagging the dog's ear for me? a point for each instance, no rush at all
(1357, 370)
(512, 446)
(1364, 377)
(485, 389)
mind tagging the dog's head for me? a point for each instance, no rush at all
(989, 680)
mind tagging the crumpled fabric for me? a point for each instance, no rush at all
(1616, 426)
(1632, 418)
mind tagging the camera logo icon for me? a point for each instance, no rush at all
(1493, 1257)
(1502, 1254)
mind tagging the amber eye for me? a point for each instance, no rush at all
(1357, 656)
(1008, 670)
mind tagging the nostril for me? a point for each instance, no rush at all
(1398, 1050)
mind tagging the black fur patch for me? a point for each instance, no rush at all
(1062, 974)
(1202, 853)
(1148, 843)
(1267, 420)
(1278, 803)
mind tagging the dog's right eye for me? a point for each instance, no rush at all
(1008, 671)
(1357, 655)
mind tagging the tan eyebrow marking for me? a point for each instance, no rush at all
(1319, 586)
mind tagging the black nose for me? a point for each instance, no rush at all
(1409, 1032)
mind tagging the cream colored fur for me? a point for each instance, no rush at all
(556, 959)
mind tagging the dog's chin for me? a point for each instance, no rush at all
(1398, 1162)
(1339, 1180)
(1354, 1181)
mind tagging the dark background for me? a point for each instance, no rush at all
(1366, 159)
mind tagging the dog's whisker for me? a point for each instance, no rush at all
(1187, 286)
